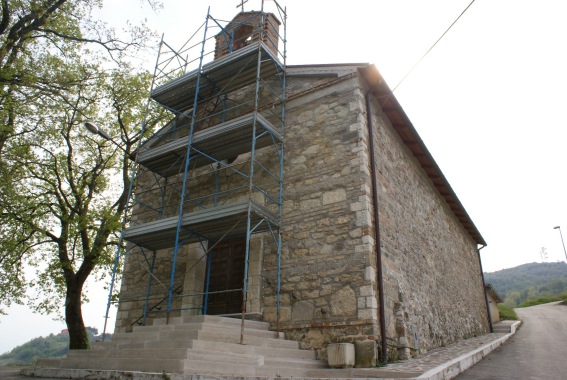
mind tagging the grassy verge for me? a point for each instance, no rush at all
(507, 313)
(542, 300)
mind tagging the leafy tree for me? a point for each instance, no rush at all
(63, 191)
(34, 35)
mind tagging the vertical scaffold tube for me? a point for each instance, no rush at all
(187, 160)
(126, 208)
(280, 204)
(149, 288)
(251, 174)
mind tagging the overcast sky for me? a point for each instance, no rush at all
(488, 102)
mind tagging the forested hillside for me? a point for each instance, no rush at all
(529, 281)
(52, 346)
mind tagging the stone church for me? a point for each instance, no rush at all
(301, 196)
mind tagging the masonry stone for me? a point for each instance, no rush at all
(431, 273)
(366, 353)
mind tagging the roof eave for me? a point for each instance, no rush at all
(408, 134)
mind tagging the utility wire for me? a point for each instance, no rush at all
(432, 46)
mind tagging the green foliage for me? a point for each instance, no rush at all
(63, 191)
(52, 346)
(507, 313)
(544, 299)
(529, 282)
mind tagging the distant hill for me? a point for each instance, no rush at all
(52, 346)
(529, 281)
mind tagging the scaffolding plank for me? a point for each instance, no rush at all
(223, 74)
(207, 224)
(223, 141)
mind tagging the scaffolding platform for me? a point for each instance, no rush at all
(224, 74)
(221, 142)
(207, 224)
(224, 97)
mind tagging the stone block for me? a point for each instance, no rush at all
(341, 355)
(366, 290)
(335, 196)
(366, 314)
(366, 353)
(343, 302)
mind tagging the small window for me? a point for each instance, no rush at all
(242, 36)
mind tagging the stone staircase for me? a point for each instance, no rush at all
(192, 345)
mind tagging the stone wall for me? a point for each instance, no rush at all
(433, 287)
(328, 282)
(134, 285)
(432, 276)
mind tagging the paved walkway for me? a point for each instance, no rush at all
(441, 363)
(448, 355)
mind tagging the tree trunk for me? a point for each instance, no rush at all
(78, 337)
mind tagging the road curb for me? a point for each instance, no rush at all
(461, 363)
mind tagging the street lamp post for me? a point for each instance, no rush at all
(560, 234)
(102, 133)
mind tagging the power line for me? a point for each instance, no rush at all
(432, 46)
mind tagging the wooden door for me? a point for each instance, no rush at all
(226, 274)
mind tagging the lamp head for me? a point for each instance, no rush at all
(97, 131)
(91, 128)
(556, 227)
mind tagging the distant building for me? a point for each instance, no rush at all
(493, 300)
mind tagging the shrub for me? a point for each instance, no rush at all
(506, 313)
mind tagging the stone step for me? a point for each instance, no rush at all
(225, 357)
(248, 340)
(164, 353)
(154, 336)
(213, 345)
(283, 362)
(292, 353)
(278, 372)
(197, 345)
(208, 327)
(197, 367)
(121, 339)
(125, 364)
(213, 319)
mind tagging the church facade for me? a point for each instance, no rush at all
(372, 243)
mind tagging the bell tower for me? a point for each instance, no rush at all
(247, 28)
(210, 181)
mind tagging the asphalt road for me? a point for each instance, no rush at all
(537, 351)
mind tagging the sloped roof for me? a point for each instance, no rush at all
(493, 293)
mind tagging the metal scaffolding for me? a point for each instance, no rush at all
(215, 170)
